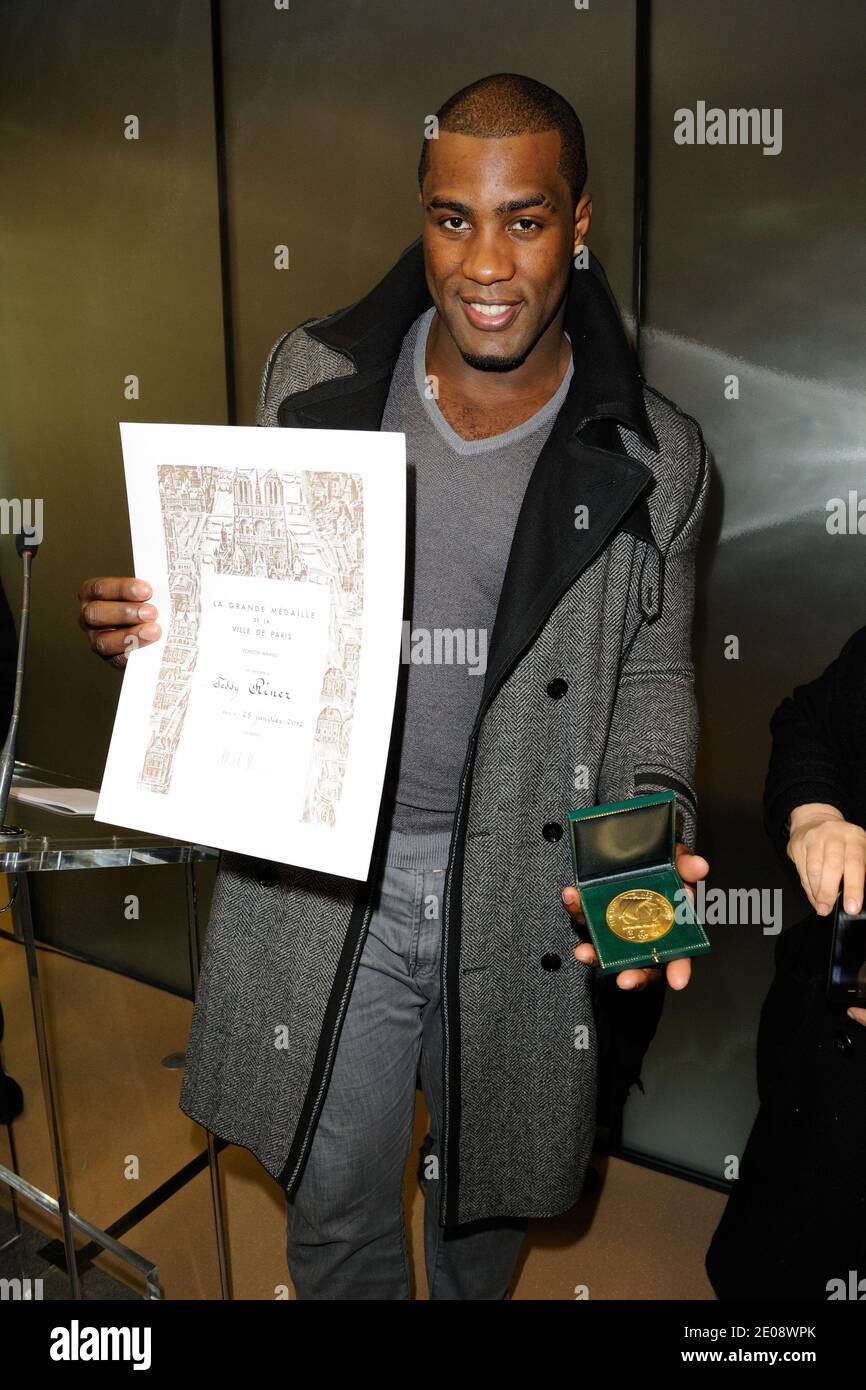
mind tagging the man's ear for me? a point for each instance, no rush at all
(582, 219)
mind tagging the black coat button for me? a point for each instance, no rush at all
(557, 688)
(552, 830)
(551, 961)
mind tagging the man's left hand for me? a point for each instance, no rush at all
(691, 868)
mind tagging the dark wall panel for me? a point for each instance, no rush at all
(109, 266)
(757, 267)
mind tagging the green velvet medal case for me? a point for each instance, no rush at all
(632, 844)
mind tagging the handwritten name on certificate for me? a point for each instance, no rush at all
(261, 719)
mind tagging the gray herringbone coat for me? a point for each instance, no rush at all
(588, 697)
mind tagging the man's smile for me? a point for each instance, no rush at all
(491, 315)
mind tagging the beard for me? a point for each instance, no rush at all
(495, 364)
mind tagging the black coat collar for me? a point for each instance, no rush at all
(583, 463)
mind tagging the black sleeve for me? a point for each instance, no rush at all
(814, 734)
(8, 662)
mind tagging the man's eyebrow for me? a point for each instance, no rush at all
(450, 203)
(533, 200)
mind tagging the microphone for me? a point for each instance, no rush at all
(25, 539)
(27, 544)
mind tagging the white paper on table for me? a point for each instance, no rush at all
(65, 801)
(260, 721)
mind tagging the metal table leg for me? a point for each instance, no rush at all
(212, 1155)
(24, 920)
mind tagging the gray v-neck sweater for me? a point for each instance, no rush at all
(464, 497)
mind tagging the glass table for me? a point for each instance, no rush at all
(38, 840)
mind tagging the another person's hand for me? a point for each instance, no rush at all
(691, 868)
(116, 617)
(827, 850)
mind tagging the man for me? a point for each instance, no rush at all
(557, 500)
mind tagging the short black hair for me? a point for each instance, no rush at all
(507, 104)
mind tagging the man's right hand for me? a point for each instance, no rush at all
(117, 618)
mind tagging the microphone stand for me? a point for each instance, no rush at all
(26, 545)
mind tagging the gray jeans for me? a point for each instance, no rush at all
(346, 1223)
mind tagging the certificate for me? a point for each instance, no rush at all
(260, 721)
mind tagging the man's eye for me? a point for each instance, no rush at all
(449, 220)
(526, 224)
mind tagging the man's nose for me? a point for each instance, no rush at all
(488, 259)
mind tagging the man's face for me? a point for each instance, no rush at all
(499, 236)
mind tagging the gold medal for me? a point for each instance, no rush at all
(640, 914)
